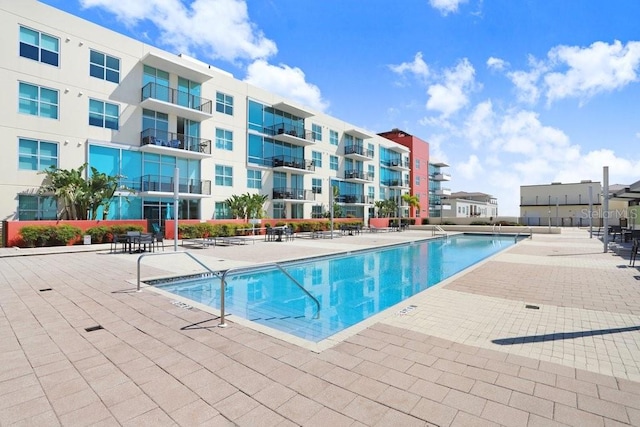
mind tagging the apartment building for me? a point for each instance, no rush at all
(438, 203)
(471, 205)
(78, 93)
(415, 167)
(558, 204)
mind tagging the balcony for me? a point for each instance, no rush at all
(163, 142)
(357, 152)
(355, 199)
(442, 177)
(358, 176)
(285, 194)
(396, 164)
(296, 135)
(397, 183)
(187, 187)
(297, 164)
(443, 192)
(172, 101)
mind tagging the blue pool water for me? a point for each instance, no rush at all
(349, 287)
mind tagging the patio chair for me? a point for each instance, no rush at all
(634, 252)
(114, 244)
(159, 240)
(146, 242)
(289, 234)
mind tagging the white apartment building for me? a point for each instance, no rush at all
(438, 204)
(471, 205)
(75, 93)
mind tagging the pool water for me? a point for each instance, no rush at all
(349, 287)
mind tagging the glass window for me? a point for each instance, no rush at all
(36, 155)
(104, 67)
(317, 158)
(316, 185)
(371, 169)
(39, 46)
(224, 139)
(224, 176)
(32, 208)
(222, 211)
(103, 114)
(333, 163)
(316, 132)
(224, 103)
(333, 137)
(316, 211)
(417, 163)
(38, 101)
(254, 179)
(418, 180)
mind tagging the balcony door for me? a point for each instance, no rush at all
(188, 133)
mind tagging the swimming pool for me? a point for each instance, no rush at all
(349, 287)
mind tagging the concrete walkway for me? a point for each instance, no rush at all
(469, 353)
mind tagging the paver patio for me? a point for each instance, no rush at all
(469, 354)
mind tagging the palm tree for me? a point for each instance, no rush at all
(237, 206)
(412, 200)
(254, 204)
(81, 197)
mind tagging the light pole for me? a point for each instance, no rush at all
(331, 207)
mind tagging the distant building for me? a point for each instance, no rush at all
(470, 205)
(562, 205)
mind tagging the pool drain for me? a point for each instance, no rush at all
(532, 307)
(93, 328)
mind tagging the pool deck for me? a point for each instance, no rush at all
(468, 353)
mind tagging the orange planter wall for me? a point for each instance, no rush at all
(11, 229)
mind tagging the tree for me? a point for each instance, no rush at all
(246, 205)
(386, 208)
(81, 197)
(237, 206)
(255, 202)
(412, 200)
(337, 209)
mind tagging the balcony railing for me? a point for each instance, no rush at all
(357, 174)
(396, 163)
(164, 184)
(285, 193)
(177, 97)
(175, 140)
(289, 129)
(292, 162)
(395, 183)
(354, 198)
(358, 149)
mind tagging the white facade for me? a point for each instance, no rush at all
(76, 92)
(471, 205)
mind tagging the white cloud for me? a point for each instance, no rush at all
(450, 96)
(417, 67)
(446, 7)
(479, 126)
(470, 168)
(497, 64)
(220, 29)
(288, 82)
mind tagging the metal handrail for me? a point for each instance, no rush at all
(216, 273)
(440, 229)
(236, 269)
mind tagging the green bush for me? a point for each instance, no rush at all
(48, 235)
(480, 223)
(99, 234)
(425, 221)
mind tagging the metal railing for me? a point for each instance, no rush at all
(163, 183)
(278, 266)
(215, 273)
(286, 193)
(177, 97)
(358, 149)
(358, 174)
(436, 229)
(292, 162)
(179, 141)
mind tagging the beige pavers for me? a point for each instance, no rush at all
(468, 354)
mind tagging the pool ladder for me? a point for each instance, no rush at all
(224, 276)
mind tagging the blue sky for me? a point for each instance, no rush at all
(507, 92)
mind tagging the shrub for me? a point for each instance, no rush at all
(425, 221)
(35, 235)
(480, 223)
(99, 234)
(48, 235)
(64, 234)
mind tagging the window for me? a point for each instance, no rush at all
(104, 67)
(417, 180)
(333, 137)
(224, 176)
(36, 207)
(316, 185)
(333, 163)
(316, 211)
(39, 46)
(38, 101)
(36, 155)
(103, 114)
(224, 103)
(317, 158)
(372, 192)
(222, 211)
(371, 149)
(224, 139)
(316, 132)
(254, 179)
(372, 170)
(417, 163)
